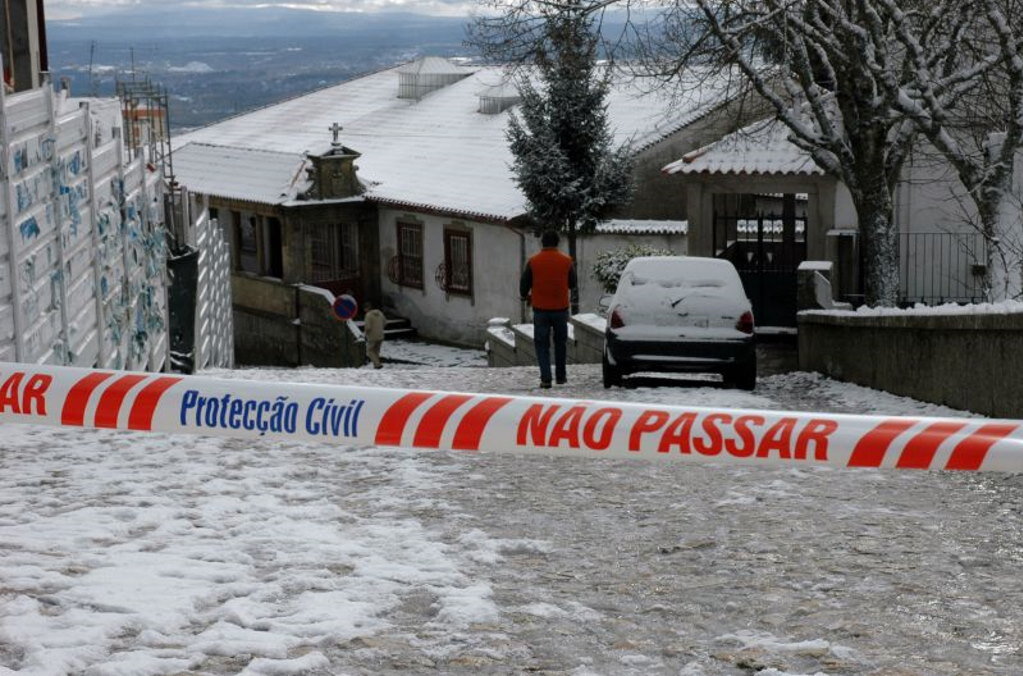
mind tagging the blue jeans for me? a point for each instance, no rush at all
(546, 322)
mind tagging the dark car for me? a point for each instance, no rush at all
(680, 314)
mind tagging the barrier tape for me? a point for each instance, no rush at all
(363, 416)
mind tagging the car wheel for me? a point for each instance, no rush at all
(743, 376)
(612, 376)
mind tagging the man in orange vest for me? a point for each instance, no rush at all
(546, 283)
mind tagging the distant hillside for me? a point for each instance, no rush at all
(220, 62)
(176, 23)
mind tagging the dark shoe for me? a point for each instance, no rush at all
(561, 381)
(378, 366)
(545, 384)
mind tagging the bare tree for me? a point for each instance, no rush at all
(828, 72)
(855, 82)
(965, 93)
(517, 32)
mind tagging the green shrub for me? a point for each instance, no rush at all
(608, 266)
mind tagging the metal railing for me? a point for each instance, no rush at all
(941, 267)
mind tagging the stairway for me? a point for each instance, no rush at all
(395, 328)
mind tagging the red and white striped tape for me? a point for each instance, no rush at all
(362, 416)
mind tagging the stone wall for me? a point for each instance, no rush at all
(291, 325)
(966, 361)
(512, 344)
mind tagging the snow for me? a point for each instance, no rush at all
(1000, 308)
(437, 151)
(668, 272)
(503, 334)
(431, 65)
(761, 148)
(594, 321)
(238, 173)
(146, 554)
(816, 265)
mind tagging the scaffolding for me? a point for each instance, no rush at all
(145, 109)
(146, 119)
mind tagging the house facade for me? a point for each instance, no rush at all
(290, 220)
(434, 212)
(939, 251)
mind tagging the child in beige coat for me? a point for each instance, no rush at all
(373, 329)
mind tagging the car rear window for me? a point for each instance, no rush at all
(678, 272)
(675, 283)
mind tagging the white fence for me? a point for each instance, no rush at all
(83, 250)
(214, 325)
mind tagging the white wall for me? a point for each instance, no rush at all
(82, 252)
(845, 212)
(938, 246)
(214, 317)
(454, 318)
(499, 254)
(588, 247)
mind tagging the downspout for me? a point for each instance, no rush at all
(44, 59)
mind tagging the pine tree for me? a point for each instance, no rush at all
(564, 162)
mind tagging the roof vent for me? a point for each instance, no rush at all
(428, 74)
(499, 98)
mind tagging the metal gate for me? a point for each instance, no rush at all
(767, 251)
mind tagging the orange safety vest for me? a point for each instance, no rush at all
(550, 269)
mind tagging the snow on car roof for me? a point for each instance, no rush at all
(712, 275)
(681, 267)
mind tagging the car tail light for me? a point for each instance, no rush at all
(745, 323)
(616, 320)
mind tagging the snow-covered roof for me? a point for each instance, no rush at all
(502, 90)
(264, 176)
(761, 148)
(436, 152)
(643, 227)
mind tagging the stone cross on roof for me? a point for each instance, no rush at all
(336, 129)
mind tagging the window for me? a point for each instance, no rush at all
(410, 255)
(335, 251)
(247, 245)
(273, 265)
(458, 262)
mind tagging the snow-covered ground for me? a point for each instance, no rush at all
(127, 554)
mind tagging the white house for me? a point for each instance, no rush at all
(438, 206)
(939, 250)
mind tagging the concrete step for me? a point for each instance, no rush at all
(395, 327)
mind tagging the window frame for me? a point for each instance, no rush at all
(247, 260)
(406, 261)
(338, 245)
(450, 235)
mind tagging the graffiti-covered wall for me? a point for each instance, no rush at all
(82, 240)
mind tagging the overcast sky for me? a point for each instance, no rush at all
(68, 9)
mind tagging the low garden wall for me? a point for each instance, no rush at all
(512, 344)
(966, 360)
(291, 325)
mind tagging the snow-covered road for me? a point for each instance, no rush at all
(126, 554)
